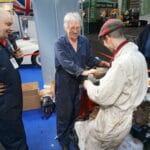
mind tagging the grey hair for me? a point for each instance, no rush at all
(75, 16)
(119, 33)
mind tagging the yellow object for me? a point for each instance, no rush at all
(7, 5)
(113, 11)
(120, 17)
(6, 1)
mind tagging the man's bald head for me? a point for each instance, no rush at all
(4, 14)
(6, 21)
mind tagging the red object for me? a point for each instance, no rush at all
(106, 55)
(35, 53)
(109, 26)
(86, 106)
(23, 7)
(3, 43)
(118, 49)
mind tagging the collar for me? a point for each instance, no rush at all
(3, 42)
(118, 49)
(80, 40)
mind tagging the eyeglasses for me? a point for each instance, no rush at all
(75, 28)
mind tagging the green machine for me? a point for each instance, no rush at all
(91, 9)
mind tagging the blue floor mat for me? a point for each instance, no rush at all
(31, 74)
(40, 133)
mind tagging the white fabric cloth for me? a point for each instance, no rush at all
(120, 91)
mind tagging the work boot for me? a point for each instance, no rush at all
(65, 147)
(74, 139)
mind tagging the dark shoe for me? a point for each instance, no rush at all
(76, 147)
(74, 139)
(65, 147)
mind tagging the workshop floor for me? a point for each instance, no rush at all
(40, 133)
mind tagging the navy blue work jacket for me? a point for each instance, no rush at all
(74, 62)
(143, 41)
(11, 101)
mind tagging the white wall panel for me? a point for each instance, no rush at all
(49, 24)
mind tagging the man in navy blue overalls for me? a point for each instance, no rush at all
(72, 56)
(12, 134)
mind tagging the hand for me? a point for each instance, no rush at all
(18, 53)
(101, 72)
(2, 88)
(90, 71)
(97, 73)
(104, 64)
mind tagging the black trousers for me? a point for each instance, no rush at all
(67, 105)
(12, 134)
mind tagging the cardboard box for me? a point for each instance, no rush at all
(31, 99)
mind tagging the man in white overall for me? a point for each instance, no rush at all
(120, 91)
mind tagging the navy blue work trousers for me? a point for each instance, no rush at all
(12, 134)
(67, 104)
